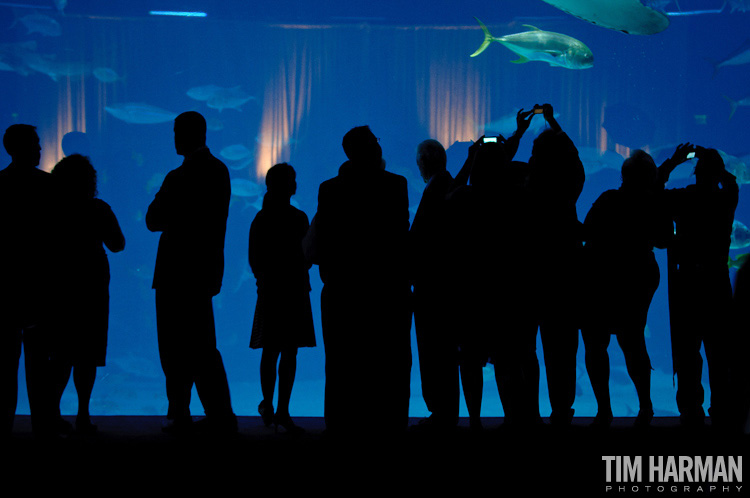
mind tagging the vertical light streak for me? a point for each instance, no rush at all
(285, 104)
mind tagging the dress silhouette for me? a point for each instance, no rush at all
(190, 210)
(84, 318)
(283, 316)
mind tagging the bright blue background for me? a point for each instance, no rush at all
(316, 69)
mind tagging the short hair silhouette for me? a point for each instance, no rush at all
(77, 173)
(489, 160)
(638, 170)
(710, 165)
(282, 179)
(192, 126)
(431, 157)
(360, 143)
(19, 138)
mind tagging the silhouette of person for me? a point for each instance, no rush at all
(82, 329)
(556, 178)
(740, 371)
(190, 210)
(358, 237)
(488, 237)
(700, 291)
(28, 203)
(283, 315)
(431, 270)
(621, 229)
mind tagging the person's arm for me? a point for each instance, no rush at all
(462, 178)
(112, 235)
(157, 216)
(549, 116)
(523, 120)
(678, 157)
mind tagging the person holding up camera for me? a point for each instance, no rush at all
(700, 291)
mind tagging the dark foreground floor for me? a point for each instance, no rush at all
(131, 455)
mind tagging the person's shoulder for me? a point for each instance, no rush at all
(101, 204)
(394, 178)
(299, 215)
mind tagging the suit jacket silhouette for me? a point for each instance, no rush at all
(191, 210)
(361, 230)
(362, 227)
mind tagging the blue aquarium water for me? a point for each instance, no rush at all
(284, 80)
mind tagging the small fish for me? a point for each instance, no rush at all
(228, 98)
(56, 69)
(734, 104)
(39, 23)
(106, 75)
(740, 235)
(242, 187)
(235, 152)
(738, 262)
(536, 45)
(203, 93)
(139, 113)
(739, 57)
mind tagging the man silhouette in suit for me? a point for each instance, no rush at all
(360, 244)
(190, 210)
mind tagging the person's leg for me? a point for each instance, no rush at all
(638, 363)
(473, 385)
(10, 351)
(171, 322)
(206, 364)
(84, 376)
(596, 342)
(268, 360)
(287, 373)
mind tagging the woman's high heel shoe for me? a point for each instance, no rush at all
(286, 422)
(265, 410)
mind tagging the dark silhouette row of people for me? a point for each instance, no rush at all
(493, 257)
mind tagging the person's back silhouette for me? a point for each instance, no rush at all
(700, 292)
(28, 223)
(84, 306)
(283, 319)
(190, 210)
(556, 179)
(360, 235)
(622, 275)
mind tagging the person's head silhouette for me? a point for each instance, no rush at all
(77, 175)
(490, 162)
(361, 146)
(709, 168)
(431, 158)
(22, 144)
(638, 171)
(281, 181)
(189, 132)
